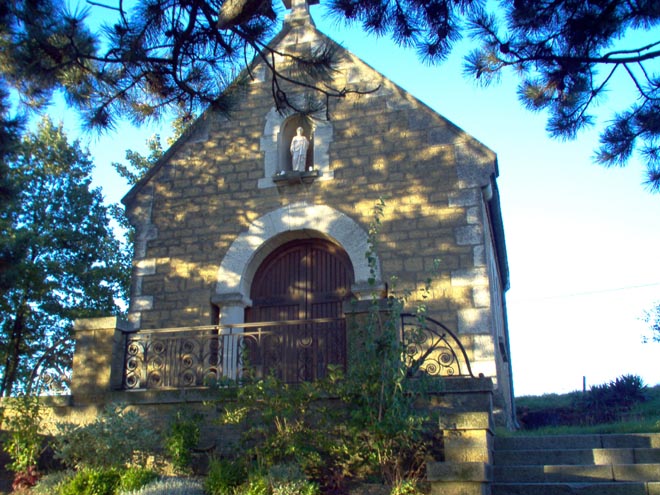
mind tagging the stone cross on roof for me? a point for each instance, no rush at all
(299, 9)
(294, 4)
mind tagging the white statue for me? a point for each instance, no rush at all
(299, 145)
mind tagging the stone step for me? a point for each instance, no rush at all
(613, 464)
(576, 456)
(577, 474)
(572, 442)
(612, 488)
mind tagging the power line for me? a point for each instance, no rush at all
(585, 293)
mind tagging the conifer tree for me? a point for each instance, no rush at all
(160, 54)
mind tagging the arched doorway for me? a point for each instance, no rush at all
(303, 281)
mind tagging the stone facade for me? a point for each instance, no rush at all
(212, 209)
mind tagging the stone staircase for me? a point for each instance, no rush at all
(577, 464)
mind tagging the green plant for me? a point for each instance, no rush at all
(224, 476)
(607, 402)
(276, 417)
(295, 487)
(182, 438)
(52, 483)
(288, 479)
(22, 420)
(380, 390)
(406, 487)
(92, 481)
(622, 405)
(169, 486)
(257, 484)
(628, 390)
(134, 478)
(359, 424)
(117, 437)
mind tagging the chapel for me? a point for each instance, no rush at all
(255, 239)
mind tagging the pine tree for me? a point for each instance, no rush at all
(165, 54)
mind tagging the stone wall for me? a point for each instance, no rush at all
(463, 456)
(215, 187)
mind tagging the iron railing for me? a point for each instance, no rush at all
(432, 348)
(51, 375)
(292, 350)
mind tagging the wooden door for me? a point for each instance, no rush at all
(302, 280)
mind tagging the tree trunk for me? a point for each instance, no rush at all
(13, 352)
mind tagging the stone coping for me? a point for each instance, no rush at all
(450, 385)
(296, 177)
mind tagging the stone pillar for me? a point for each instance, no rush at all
(231, 313)
(98, 360)
(466, 424)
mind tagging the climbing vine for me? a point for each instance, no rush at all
(362, 423)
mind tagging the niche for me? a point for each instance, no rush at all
(287, 133)
(275, 143)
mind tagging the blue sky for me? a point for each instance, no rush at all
(582, 240)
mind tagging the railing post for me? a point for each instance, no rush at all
(231, 309)
(465, 410)
(98, 360)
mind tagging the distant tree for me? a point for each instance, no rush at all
(137, 164)
(652, 318)
(169, 53)
(65, 262)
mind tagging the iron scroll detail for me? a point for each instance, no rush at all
(432, 348)
(191, 357)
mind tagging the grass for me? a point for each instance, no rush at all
(643, 417)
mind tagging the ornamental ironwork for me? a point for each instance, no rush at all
(51, 374)
(293, 351)
(432, 348)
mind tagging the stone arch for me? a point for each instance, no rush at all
(295, 221)
(272, 145)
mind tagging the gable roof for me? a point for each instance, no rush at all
(296, 20)
(199, 122)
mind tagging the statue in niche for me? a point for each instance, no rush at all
(299, 145)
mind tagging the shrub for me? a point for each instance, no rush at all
(406, 487)
(182, 438)
(170, 486)
(605, 403)
(288, 479)
(24, 480)
(224, 475)
(255, 485)
(116, 438)
(628, 390)
(92, 481)
(361, 424)
(296, 487)
(52, 483)
(23, 441)
(136, 477)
